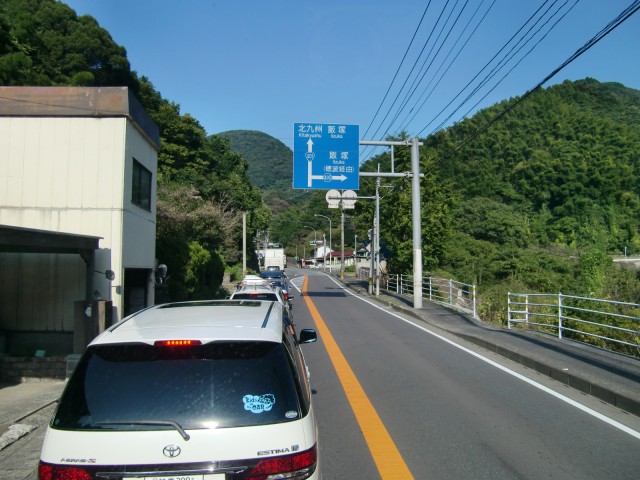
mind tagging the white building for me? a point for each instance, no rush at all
(78, 170)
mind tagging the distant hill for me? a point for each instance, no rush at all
(270, 165)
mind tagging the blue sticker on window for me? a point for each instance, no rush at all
(259, 403)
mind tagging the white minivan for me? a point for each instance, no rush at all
(214, 390)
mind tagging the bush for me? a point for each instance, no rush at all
(492, 303)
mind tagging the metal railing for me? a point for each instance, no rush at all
(458, 295)
(605, 323)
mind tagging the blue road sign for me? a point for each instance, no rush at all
(326, 156)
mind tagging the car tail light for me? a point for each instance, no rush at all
(176, 343)
(56, 472)
(285, 295)
(297, 466)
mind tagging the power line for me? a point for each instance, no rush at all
(507, 58)
(515, 35)
(520, 61)
(412, 68)
(417, 109)
(416, 82)
(398, 69)
(615, 23)
(410, 72)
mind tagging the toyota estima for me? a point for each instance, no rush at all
(192, 391)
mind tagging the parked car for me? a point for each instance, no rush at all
(271, 274)
(286, 290)
(267, 292)
(197, 390)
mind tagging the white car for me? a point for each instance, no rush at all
(214, 390)
(266, 292)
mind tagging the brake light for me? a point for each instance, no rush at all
(176, 343)
(53, 472)
(299, 466)
(285, 295)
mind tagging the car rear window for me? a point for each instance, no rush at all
(272, 297)
(217, 385)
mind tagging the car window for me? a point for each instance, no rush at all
(271, 297)
(221, 384)
(300, 372)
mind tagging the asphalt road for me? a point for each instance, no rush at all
(450, 413)
(450, 409)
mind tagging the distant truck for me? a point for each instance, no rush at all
(273, 256)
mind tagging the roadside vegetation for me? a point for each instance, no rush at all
(539, 202)
(203, 186)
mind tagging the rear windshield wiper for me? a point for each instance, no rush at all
(169, 423)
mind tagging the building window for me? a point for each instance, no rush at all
(141, 190)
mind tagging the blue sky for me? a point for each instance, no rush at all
(264, 65)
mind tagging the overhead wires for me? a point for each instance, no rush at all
(447, 37)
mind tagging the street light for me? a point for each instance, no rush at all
(324, 216)
(315, 240)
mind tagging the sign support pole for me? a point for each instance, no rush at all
(417, 228)
(415, 209)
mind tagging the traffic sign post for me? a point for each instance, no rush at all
(326, 156)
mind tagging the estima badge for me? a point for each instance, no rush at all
(171, 451)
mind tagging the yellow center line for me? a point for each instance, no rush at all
(384, 452)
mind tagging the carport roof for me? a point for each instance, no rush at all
(29, 240)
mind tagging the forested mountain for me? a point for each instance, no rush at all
(203, 186)
(537, 202)
(567, 161)
(540, 201)
(270, 163)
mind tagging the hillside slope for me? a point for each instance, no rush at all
(270, 165)
(566, 160)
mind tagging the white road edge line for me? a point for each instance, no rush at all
(519, 376)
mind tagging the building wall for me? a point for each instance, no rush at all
(72, 175)
(139, 227)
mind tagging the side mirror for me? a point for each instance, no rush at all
(308, 335)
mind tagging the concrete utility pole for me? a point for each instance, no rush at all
(417, 223)
(355, 251)
(377, 237)
(415, 207)
(325, 249)
(315, 242)
(342, 244)
(244, 244)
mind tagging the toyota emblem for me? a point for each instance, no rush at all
(171, 451)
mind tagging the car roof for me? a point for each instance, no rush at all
(256, 287)
(207, 321)
(272, 274)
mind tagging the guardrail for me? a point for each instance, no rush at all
(607, 324)
(461, 296)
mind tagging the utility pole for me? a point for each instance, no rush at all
(377, 237)
(342, 244)
(415, 207)
(355, 252)
(315, 242)
(325, 248)
(244, 244)
(266, 244)
(417, 224)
